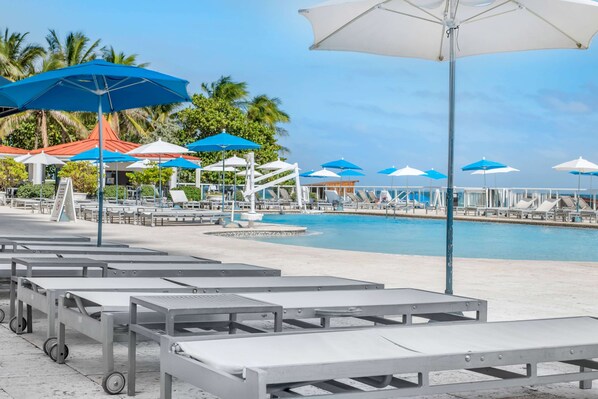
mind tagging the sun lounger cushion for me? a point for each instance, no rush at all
(343, 347)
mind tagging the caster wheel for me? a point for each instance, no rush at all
(13, 324)
(53, 352)
(113, 383)
(2, 315)
(48, 344)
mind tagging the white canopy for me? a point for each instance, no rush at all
(244, 173)
(217, 167)
(43, 159)
(142, 164)
(235, 162)
(275, 165)
(22, 158)
(508, 169)
(324, 173)
(159, 147)
(577, 165)
(407, 171)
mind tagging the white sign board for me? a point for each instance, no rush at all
(64, 203)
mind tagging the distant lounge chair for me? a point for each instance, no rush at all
(180, 198)
(544, 211)
(520, 207)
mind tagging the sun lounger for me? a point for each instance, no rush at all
(75, 311)
(86, 250)
(21, 244)
(189, 270)
(545, 210)
(148, 258)
(520, 207)
(370, 306)
(385, 362)
(161, 216)
(180, 198)
(46, 238)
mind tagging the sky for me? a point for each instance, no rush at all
(528, 110)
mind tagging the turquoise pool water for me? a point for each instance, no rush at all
(427, 237)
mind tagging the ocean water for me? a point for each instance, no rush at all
(427, 237)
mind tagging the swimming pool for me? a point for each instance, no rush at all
(412, 236)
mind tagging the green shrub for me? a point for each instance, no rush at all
(148, 191)
(83, 174)
(11, 173)
(29, 190)
(193, 193)
(110, 192)
(150, 175)
(239, 195)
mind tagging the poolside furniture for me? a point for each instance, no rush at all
(334, 199)
(372, 197)
(189, 270)
(45, 267)
(148, 258)
(180, 198)
(50, 238)
(160, 216)
(85, 250)
(384, 362)
(74, 310)
(521, 206)
(545, 210)
(274, 284)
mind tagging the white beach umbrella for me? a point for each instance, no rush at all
(217, 167)
(235, 162)
(22, 158)
(443, 30)
(139, 165)
(244, 173)
(407, 171)
(579, 166)
(324, 173)
(275, 165)
(159, 147)
(508, 169)
(42, 159)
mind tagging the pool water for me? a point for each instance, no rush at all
(411, 236)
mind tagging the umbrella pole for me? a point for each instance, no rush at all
(101, 165)
(578, 189)
(160, 178)
(451, 150)
(223, 151)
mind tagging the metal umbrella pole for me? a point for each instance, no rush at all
(101, 171)
(451, 149)
(223, 152)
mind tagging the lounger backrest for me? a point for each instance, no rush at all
(178, 196)
(547, 205)
(363, 196)
(331, 195)
(583, 205)
(284, 194)
(568, 201)
(372, 196)
(272, 194)
(353, 197)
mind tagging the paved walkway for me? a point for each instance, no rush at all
(514, 290)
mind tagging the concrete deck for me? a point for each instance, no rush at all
(514, 290)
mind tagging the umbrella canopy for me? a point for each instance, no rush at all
(577, 165)
(433, 174)
(96, 86)
(217, 167)
(429, 29)
(235, 162)
(341, 164)
(407, 171)
(275, 165)
(180, 162)
(307, 173)
(222, 142)
(107, 156)
(324, 173)
(387, 171)
(506, 169)
(244, 173)
(22, 158)
(350, 173)
(43, 159)
(142, 164)
(159, 147)
(483, 165)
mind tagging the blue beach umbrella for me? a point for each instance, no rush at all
(107, 157)
(222, 142)
(307, 173)
(96, 86)
(388, 172)
(350, 173)
(433, 174)
(341, 164)
(180, 162)
(484, 165)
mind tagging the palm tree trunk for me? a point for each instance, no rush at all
(43, 129)
(116, 124)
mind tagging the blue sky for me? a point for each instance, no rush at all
(529, 110)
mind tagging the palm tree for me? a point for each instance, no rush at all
(225, 89)
(17, 58)
(111, 55)
(266, 110)
(76, 48)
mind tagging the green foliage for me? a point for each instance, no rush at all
(83, 174)
(193, 193)
(150, 175)
(29, 190)
(148, 191)
(11, 173)
(210, 116)
(110, 192)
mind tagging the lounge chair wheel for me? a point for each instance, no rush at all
(2, 315)
(53, 352)
(48, 344)
(13, 324)
(113, 383)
